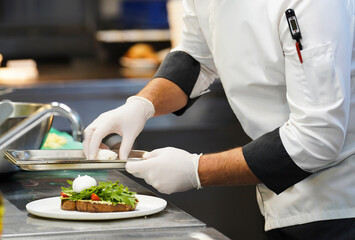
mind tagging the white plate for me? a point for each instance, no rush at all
(50, 208)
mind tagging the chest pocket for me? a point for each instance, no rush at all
(314, 82)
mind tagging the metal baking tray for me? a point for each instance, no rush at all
(44, 160)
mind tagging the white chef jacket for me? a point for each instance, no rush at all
(248, 45)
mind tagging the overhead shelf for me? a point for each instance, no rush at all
(136, 35)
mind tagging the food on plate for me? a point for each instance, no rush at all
(106, 154)
(104, 197)
(83, 182)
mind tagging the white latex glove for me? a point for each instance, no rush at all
(168, 170)
(127, 120)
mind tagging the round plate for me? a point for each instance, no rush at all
(50, 208)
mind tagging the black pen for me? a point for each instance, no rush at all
(295, 31)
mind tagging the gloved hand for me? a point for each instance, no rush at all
(168, 170)
(127, 120)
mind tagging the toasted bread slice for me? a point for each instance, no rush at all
(94, 206)
(68, 205)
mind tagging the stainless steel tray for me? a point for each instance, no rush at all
(44, 160)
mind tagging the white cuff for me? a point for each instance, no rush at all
(196, 163)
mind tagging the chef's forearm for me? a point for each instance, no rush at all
(165, 95)
(225, 168)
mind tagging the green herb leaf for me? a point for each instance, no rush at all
(106, 191)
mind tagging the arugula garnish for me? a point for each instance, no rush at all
(107, 191)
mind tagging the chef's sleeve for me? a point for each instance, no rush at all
(318, 95)
(190, 65)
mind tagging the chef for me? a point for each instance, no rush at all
(288, 70)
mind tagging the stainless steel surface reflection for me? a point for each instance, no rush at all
(69, 159)
(32, 139)
(24, 187)
(29, 125)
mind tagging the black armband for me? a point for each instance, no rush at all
(268, 159)
(181, 69)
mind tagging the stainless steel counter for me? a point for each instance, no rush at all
(24, 187)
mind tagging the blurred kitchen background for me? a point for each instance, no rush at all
(93, 54)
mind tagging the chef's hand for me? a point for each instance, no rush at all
(127, 120)
(168, 170)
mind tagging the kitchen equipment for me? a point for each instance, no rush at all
(28, 125)
(6, 91)
(41, 160)
(31, 140)
(6, 109)
(113, 141)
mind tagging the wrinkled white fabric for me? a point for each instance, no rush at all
(127, 120)
(249, 46)
(168, 170)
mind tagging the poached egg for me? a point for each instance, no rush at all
(83, 182)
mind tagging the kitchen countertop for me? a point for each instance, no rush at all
(24, 187)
